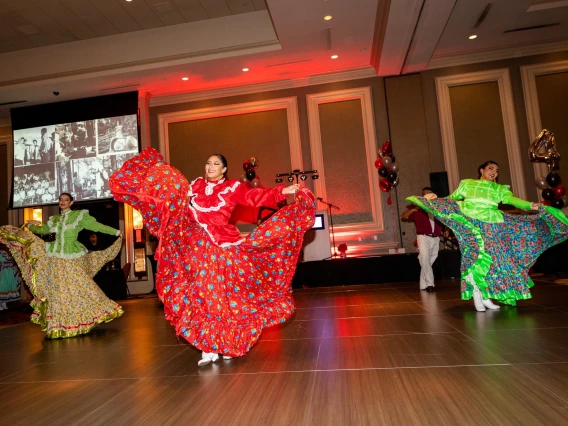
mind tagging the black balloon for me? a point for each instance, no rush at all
(553, 179)
(383, 172)
(548, 194)
(251, 174)
(393, 158)
(392, 176)
(558, 203)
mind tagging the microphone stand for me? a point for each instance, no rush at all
(330, 207)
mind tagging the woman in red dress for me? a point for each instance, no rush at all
(219, 290)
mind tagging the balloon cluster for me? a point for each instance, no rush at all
(387, 167)
(250, 176)
(553, 192)
(543, 150)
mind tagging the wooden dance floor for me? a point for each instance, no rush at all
(358, 355)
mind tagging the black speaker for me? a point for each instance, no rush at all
(439, 184)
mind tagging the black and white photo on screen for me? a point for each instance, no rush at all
(75, 140)
(34, 146)
(117, 134)
(64, 177)
(34, 185)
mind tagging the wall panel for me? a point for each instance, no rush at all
(478, 129)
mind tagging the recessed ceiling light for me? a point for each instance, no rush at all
(328, 17)
(334, 57)
(185, 78)
(473, 36)
(129, 0)
(245, 69)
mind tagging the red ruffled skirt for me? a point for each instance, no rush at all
(218, 299)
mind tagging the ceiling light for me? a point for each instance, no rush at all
(334, 57)
(185, 78)
(129, 0)
(328, 17)
(473, 36)
(245, 69)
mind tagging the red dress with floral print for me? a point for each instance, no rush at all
(219, 289)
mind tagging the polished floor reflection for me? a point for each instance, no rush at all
(357, 355)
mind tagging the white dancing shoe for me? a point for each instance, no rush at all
(206, 358)
(490, 305)
(478, 300)
(3, 305)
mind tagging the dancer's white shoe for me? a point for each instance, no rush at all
(490, 305)
(206, 358)
(478, 300)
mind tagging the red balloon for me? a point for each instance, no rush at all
(247, 165)
(387, 148)
(547, 202)
(385, 185)
(559, 191)
(379, 163)
(389, 201)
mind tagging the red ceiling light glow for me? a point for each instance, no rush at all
(334, 56)
(185, 78)
(245, 69)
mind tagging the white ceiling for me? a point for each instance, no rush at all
(141, 45)
(504, 15)
(305, 45)
(25, 24)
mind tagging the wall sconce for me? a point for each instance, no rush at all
(138, 225)
(139, 244)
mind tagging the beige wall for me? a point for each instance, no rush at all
(410, 143)
(478, 129)
(406, 112)
(341, 124)
(261, 134)
(552, 92)
(514, 67)
(343, 148)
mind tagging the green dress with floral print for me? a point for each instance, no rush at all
(497, 248)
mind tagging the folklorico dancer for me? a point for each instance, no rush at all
(66, 300)
(497, 248)
(219, 290)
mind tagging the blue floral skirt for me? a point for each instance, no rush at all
(498, 255)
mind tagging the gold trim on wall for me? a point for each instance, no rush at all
(501, 76)
(363, 94)
(289, 104)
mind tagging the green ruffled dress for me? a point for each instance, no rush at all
(497, 248)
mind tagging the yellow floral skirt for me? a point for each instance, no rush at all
(67, 302)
